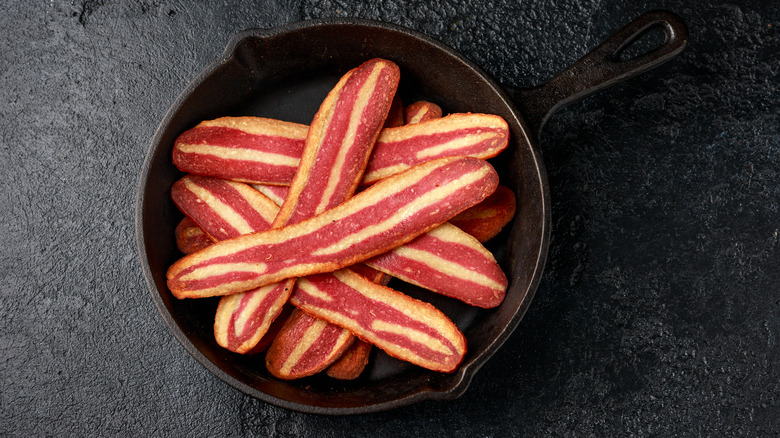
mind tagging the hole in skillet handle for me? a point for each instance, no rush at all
(618, 58)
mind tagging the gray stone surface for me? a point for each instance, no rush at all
(659, 312)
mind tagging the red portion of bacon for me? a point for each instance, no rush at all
(421, 111)
(249, 149)
(386, 215)
(403, 327)
(305, 346)
(190, 238)
(486, 219)
(396, 115)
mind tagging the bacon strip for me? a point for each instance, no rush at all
(421, 111)
(249, 149)
(305, 346)
(337, 147)
(403, 327)
(486, 219)
(388, 214)
(223, 209)
(450, 262)
(476, 135)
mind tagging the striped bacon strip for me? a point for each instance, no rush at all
(223, 209)
(388, 214)
(352, 363)
(190, 237)
(450, 262)
(476, 135)
(421, 111)
(249, 149)
(305, 346)
(403, 327)
(226, 209)
(486, 219)
(340, 140)
(242, 320)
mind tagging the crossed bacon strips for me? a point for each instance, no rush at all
(302, 265)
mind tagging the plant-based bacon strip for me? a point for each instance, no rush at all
(190, 237)
(421, 111)
(352, 363)
(382, 217)
(305, 345)
(486, 219)
(450, 262)
(474, 135)
(243, 319)
(477, 135)
(249, 149)
(340, 140)
(403, 327)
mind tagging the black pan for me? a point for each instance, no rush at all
(284, 73)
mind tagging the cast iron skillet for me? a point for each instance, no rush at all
(284, 73)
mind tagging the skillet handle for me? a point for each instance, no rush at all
(603, 67)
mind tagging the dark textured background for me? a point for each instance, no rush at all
(659, 312)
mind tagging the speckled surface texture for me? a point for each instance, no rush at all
(659, 311)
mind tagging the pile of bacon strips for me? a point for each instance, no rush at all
(271, 225)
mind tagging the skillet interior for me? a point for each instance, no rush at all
(285, 73)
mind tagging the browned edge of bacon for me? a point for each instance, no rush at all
(485, 220)
(190, 237)
(421, 111)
